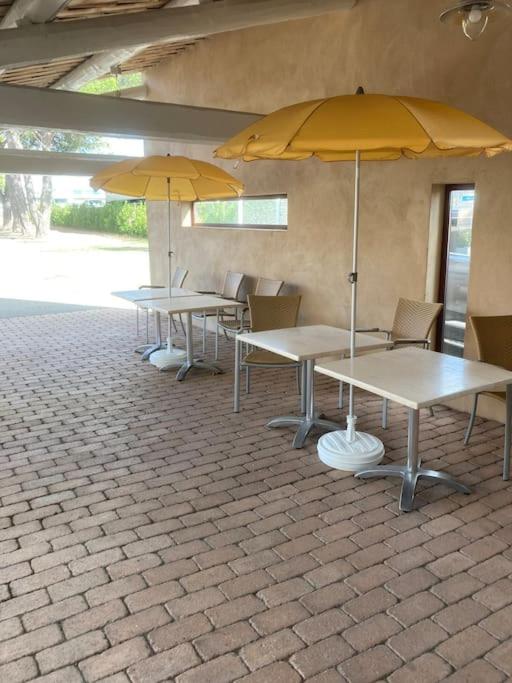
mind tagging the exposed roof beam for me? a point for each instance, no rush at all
(53, 163)
(44, 42)
(99, 65)
(24, 107)
(31, 11)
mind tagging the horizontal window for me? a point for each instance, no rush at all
(258, 213)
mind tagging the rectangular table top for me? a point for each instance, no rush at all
(417, 378)
(310, 341)
(190, 304)
(136, 295)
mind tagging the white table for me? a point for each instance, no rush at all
(303, 345)
(136, 295)
(187, 305)
(417, 379)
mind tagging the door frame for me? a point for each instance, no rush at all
(445, 235)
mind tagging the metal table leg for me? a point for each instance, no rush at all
(305, 423)
(236, 398)
(508, 434)
(411, 472)
(147, 350)
(192, 362)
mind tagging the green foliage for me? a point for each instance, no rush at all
(102, 86)
(56, 141)
(460, 240)
(125, 218)
(262, 211)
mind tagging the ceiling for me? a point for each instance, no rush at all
(48, 74)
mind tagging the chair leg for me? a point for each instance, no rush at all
(384, 413)
(431, 411)
(471, 422)
(137, 323)
(299, 380)
(147, 326)
(204, 333)
(174, 324)
(247, 379)
(341, 396)
(182, 325)
(217, 336)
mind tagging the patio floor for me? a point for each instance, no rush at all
(149, 534)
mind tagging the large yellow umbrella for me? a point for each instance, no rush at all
(355, 128)
(167, 178)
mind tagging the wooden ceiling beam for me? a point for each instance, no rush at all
(44, 42)
(25, 107)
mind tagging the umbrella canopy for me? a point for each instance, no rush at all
(167, 178)
(363, 127)
(379, 127)
(171, 178)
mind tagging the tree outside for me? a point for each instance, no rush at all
(25, 212)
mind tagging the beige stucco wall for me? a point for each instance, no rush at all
(389, 46)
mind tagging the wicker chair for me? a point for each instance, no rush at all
(264, 287)
(230, 290)
(270, 313)
(412, 325)
(177, 281)
(494, 342)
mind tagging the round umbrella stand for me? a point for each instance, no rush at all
(337, 451)
(168, 358)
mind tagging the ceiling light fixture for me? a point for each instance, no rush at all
(474, 15)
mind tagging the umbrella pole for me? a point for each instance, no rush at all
(169, 253)
(351, 418)
(347, 449)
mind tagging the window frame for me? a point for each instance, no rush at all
(443, 265)
(239, 226)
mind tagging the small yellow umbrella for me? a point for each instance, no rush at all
(364, 127)
(167, 178)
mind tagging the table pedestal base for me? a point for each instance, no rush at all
(199, 365)
(147, 349)
(305, 424)
(410, 479)
(411, 472)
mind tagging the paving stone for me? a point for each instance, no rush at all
(143, 527)
(271, 648)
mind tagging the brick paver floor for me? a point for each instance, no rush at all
(149, 534)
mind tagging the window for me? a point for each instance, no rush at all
(258, 213)
(454, 271)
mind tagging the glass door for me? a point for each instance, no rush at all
(455, 264)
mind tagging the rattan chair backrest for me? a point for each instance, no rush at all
(179, 277)
(273, 312)
(266, 287)
(232, 284)
(414, 319)
(494, 339)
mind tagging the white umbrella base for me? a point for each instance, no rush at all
(166, 359)
(336, 451)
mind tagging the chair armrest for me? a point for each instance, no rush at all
(375, 330)
(399, 342)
